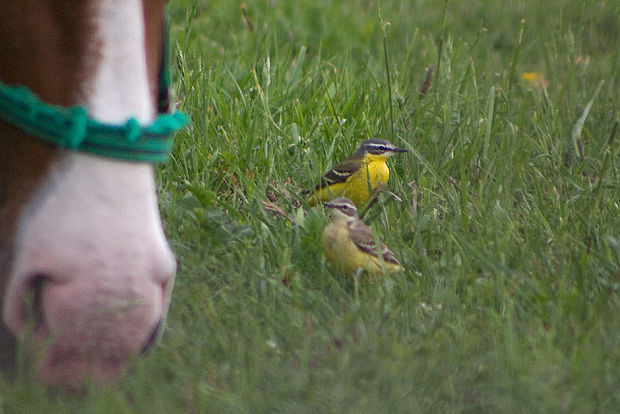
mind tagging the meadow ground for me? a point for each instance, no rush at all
(505, 212)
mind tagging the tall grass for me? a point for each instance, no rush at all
(505, 213)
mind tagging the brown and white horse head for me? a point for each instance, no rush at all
(85, 269)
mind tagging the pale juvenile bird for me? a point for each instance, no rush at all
(350, 244)
(350, 178)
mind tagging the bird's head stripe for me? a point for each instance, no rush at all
(379, 146)
(344, 205)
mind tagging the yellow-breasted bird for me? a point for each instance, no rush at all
(350, 178)
(350, 244)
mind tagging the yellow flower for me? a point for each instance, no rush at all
(530, 76)
(535, 79)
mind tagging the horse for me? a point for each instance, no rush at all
(86, 272)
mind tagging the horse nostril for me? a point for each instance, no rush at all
(157, 330)
(34, 299)
(153, 338)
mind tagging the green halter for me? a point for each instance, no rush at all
(72, 128)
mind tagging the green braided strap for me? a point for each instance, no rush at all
(71, 128)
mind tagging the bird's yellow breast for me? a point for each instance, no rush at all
(375, 170)
(355, 188)
(343, 253)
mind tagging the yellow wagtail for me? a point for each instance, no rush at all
(350, 244)
(350, 178)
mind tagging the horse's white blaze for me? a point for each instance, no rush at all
(93, 229)
(120, 87)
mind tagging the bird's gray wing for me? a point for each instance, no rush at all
(341, 171)
(364, 239)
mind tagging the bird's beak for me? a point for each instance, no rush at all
(399, 150)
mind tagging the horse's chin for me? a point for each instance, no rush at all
(91, 341)
(77, 359)
(64, 368)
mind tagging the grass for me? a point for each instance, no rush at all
(506, 219)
